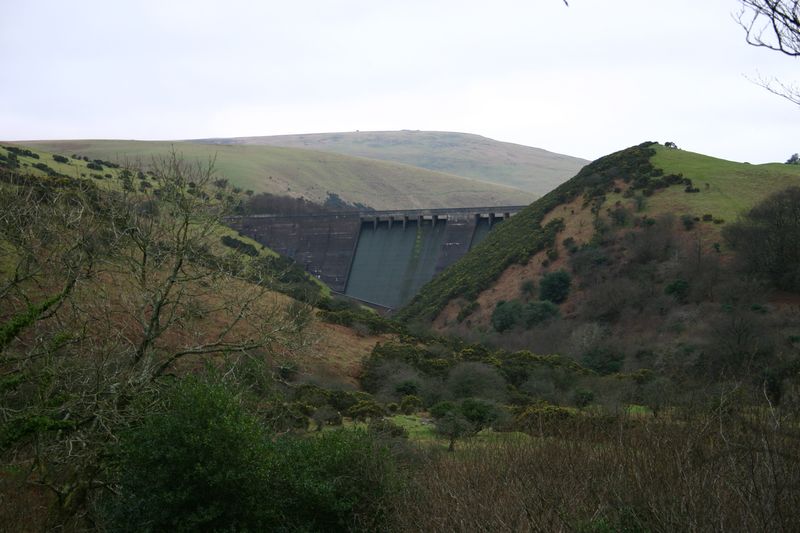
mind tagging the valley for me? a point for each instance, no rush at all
(613, 325)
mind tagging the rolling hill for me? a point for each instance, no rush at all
(636, 180)
(531, 169)
(308, 173)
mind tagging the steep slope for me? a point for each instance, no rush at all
(532, 243)
(311, 174)
(530, 169)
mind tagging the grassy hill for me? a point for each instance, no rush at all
(311, 174)
(726, 189)
(530, 169)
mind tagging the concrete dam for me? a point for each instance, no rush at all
(378, 257)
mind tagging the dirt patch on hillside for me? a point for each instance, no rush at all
(336, 353)
(577, 224)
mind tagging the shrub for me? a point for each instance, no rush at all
(60, 158)
(365, 409)
(383, 427)
(453, 425)
(340, 480)
(506, 315)
(678, 289)
(442, 408)
(481, 413)
(478, 380)
(200, 464)
(410, 404)
(688, 222)
(603, 360)
(527, 288)
(537, 312)
(555, 286)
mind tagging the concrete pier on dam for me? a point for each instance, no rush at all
(379, 257)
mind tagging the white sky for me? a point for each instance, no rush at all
(585, 80)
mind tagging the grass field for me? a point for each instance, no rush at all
(311, 174)
(530, 169)
(727, 188)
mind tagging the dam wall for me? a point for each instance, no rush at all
(379, 257)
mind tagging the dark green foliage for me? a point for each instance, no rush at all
(537, 312)
(603, 360)
(473, 379)
(205, 464)
(48, 170)
(283, 275)
(339, 480)
(239, 245)
(410, 404)
(442, 408)
(366, 409)
(19, 428)
(373, 321)
(481, 413)
(17, 323)
(688, 222)
(506, 315)
(453, 425)
(21, 152)
(407, 387)
(383, 427)
(60, 158)
(767, 239)
(678, 289)
(555, 286)
(793, 160)
(201, 464)
(94, 166)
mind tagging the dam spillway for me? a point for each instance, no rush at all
(379, 257)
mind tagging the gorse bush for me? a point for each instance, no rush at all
(205, 464)
(201, 464)
(555, 286)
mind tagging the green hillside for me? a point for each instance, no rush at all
(646, 169)
(530, 169)
(726, 188)
(311, 174)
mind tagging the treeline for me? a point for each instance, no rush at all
(267, 203)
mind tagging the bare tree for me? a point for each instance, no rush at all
(101, 294)
(774, 25)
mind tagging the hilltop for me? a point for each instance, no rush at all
(531, 169)
(311, 174)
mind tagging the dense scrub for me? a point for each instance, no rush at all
(709, 471)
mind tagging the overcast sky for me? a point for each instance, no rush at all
(585, 80)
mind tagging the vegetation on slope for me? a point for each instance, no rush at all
(523, 167)
(311, 174)
(111, 297)
(516, 240)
